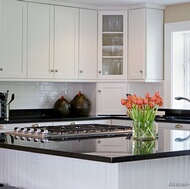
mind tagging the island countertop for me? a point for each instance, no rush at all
(94, 149)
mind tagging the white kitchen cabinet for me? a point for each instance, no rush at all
(73, 122)
(66, 42)
(175, 126)
(118, 143)
(52, 42)
(40, 40)
(109, 97)
(112, 45)
(88, 44)
(145, 59)
(13, 43)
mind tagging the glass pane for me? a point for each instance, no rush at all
(112, 66)
(112, 45)
(112, 23)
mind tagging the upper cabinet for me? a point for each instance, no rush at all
(52, 42)
(145, 59)
(13, 43)
(112, 45)
(88, 44)
(40, 41)
(66, 42)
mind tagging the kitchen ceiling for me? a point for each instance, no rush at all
(124, 2)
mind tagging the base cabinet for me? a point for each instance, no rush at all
(145, 59)
(109, 97)
(48, 171)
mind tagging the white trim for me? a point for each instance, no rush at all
(170, 28)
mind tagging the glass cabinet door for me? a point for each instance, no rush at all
(112, 45)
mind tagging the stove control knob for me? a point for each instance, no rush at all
(37, 130)
(44, 140)
(23, 138)
(23, 129)
(17, 129)
(44, 131)
(36, 139)
(29, 139)
(30, 130)
(16, 137)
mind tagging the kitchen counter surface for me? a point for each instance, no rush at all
(49, 115)
(94, 149)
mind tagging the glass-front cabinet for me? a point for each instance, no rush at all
(112, 33)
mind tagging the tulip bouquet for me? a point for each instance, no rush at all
(142, 111)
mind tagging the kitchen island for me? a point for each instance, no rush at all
(82, 164)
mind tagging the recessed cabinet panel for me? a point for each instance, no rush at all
(40, 40)
(13, 28)
(145, 59)
(88, 44)
(109, 97)
(112, 45)
(66, 42)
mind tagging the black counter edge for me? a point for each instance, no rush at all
(98, 158)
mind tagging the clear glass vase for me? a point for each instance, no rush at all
(144, 147)
(144, 130)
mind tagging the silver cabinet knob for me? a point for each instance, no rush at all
(56, 70)
(99, 72)
(141, 71)
(2, 127)
(99, 141)
(52, 70)
(81, 71)
(179, 126)
(1, 69)
(99, 91)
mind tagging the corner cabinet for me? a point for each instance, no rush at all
(13, 43)
(112, 45)
(145, 59)
(109, 97)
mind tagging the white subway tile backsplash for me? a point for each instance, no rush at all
(33, 95)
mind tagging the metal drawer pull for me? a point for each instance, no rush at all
(2, 127)
(179, 126)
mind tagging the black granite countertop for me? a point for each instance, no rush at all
(165, 146)
(50, 115)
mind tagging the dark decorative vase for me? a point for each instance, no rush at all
(62, 106)
(80, 106)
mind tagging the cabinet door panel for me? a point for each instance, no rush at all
(136, 66)
(40, 40)
(66, 42)
(112, 45)
(109, 98)
(13, 24)
(88, 44)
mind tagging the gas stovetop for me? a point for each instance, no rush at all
(70, 132)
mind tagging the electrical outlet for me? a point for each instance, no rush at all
(35, 159)
(47, 98)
